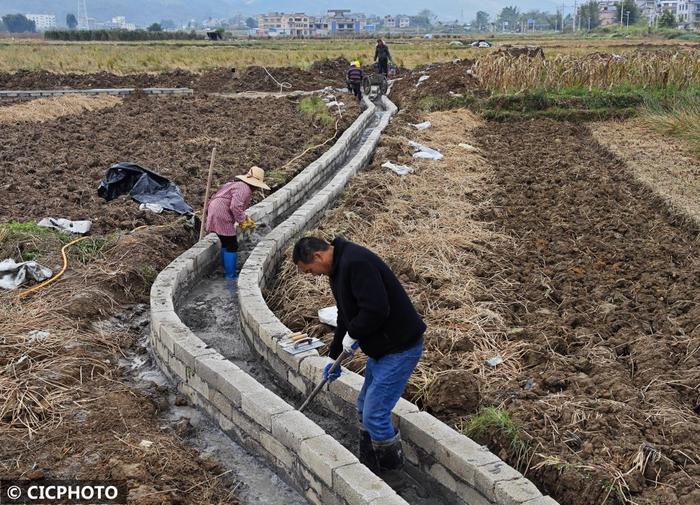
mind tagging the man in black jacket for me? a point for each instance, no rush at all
(375, 313)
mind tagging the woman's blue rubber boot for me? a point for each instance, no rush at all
(229, 260)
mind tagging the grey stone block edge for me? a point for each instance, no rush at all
(315, 462)
(461, 463)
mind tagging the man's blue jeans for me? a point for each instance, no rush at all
(385, 380)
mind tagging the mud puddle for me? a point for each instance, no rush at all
(249, 477)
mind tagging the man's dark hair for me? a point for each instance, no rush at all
(305, 248)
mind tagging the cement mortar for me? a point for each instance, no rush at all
(256, 481)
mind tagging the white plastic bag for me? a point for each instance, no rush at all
(398, 169)
(80, 227)
(13, 275)
(424, 152)
(328, 315)
(422, 126)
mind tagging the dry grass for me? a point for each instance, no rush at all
(669, 166)
(425, 227)
(642, 69)
(124, 57)
(41, 374)
(47, 109)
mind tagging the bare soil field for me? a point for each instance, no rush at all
(319, 75)
(537, 244)
(69, 407)
(54, 168)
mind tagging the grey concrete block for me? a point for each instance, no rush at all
(221, 402)
(462, 455)
(471, 496)
(262, 405)
(486, 477)
(516, 492)
(402, 408)
(356, 484)
(213, 369)
(543, 500)
(389, 500)
(324, 454)
(443, 476)
(424, 430)
(187, 347)
(277, 450)
(347, 386)
(291, 428)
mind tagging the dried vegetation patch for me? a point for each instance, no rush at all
(46, 109)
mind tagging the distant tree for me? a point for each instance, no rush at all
(667, 20)
(508, 17)
(589, 14)
(429, 15)
(628, 6)
(155, 27)
(167, 24)
(18, 23)
(481, 21)
(251, 23)
(71, 21)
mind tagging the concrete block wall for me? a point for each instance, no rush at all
(303, 454)
(464, 471)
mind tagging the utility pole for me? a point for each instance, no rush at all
(627, 13)
(622, 12)
(83, 21)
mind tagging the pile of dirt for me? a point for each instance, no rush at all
(54, 168)
(440, 80)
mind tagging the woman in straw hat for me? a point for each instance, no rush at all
(227, 208)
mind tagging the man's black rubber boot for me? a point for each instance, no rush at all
(389, 453)
(366, 452)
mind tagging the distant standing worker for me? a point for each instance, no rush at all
(227, 208)
(354, 79)
(375, 313)
(382, 57)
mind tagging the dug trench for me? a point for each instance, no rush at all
(211, 311)
(68, 409)
(532, 243)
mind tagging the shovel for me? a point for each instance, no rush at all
(318, 388)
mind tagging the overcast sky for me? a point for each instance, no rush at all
(142, 11)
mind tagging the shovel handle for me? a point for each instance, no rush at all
(336, 365)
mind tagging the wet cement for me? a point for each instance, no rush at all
(255, 480)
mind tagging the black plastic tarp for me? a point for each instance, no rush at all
(143, 186)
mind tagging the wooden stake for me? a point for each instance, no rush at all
(206, 194)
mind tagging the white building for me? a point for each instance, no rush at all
(688, 12)
(43, 22)
(389, 22)
(404, 21)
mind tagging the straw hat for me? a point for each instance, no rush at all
(254, 177)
